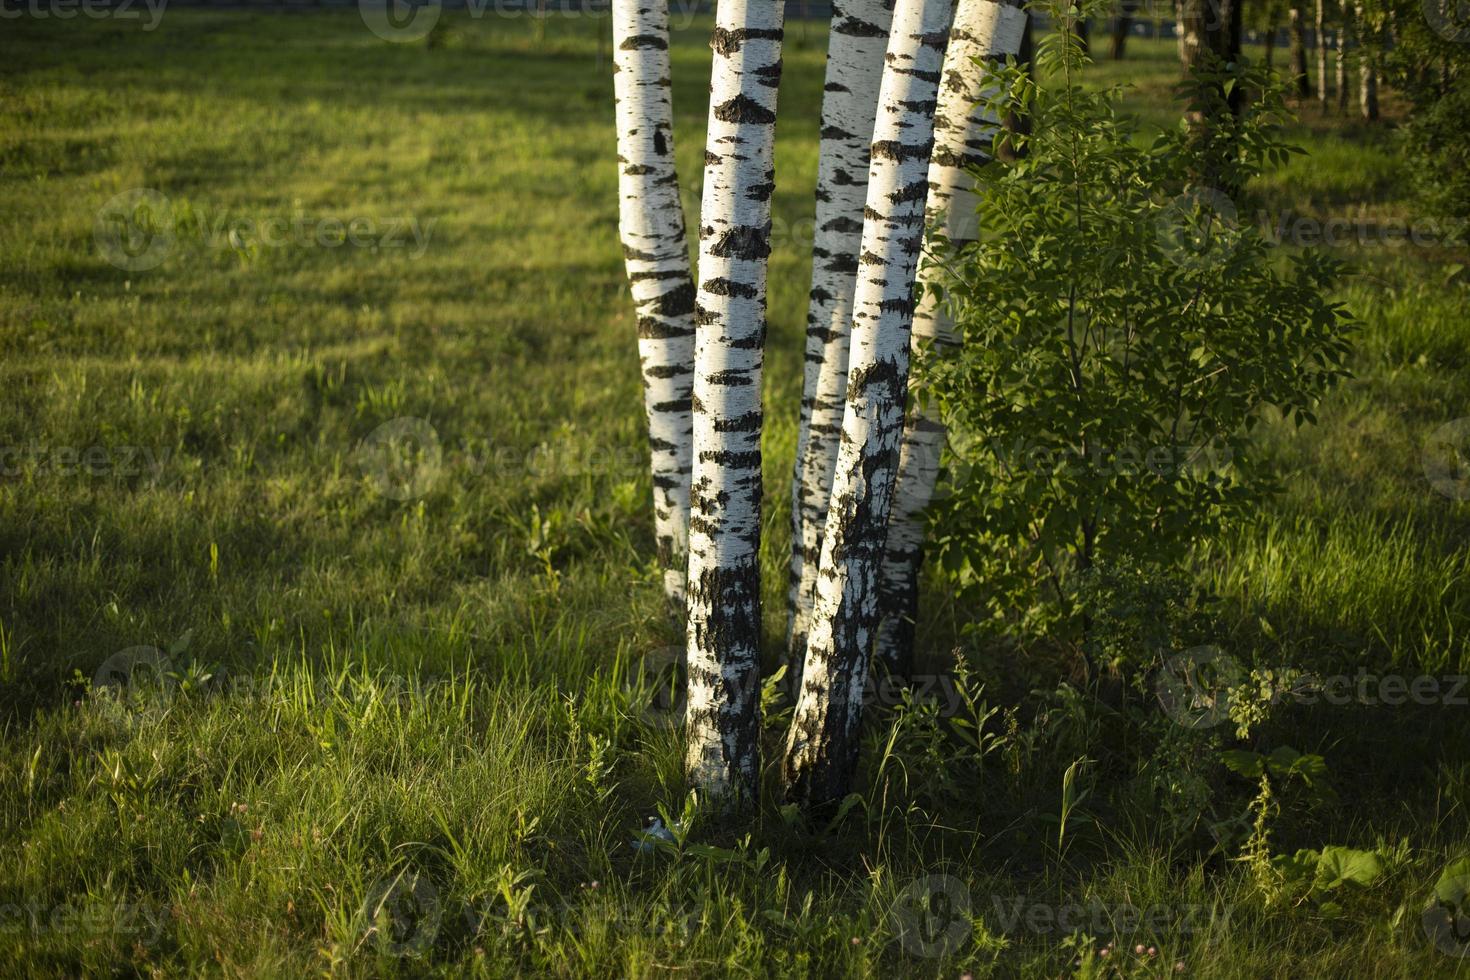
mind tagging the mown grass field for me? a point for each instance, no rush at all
(434, 700)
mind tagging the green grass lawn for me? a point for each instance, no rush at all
(425, 707)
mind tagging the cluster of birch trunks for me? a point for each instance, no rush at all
(901, 124)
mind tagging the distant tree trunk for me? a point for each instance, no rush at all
(1084, 34)
(1367, 70)
(963, 133)
(1368, 87)
(1211, 34)
(822, 747)
(1321, 31)
(1342, 35)
(1179, 28)
(1299, 79)
(723, 715)
(857, 43)
(651, 226)
(1272, 29)
(1121, 26)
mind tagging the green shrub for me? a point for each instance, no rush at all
(1120, 336)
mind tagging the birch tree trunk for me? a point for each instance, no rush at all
(723, 715)
(656, 256)
(1344, 20)
(963, 137)
(858, 40)
(1367, 72)
(821, 750)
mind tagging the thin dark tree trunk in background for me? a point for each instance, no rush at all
(1301, 82)
(1272, 30)
(1341, 46)
(1321, 30)
(1121, 26)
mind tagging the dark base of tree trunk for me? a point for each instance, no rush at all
(734, 601)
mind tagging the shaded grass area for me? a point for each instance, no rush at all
(410, 735)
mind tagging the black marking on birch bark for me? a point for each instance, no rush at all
(677, 405)
(853, 27)
(880, 381)
(749, 422)
(868, 258)
(904, 307)
(945, 157)
(704, 317)
(820, 295)
(743, 109)
(841, 177)
(928, 76)
(663, 482)
(756, 341)
(656, 274)
(732, 379)
(660, 143)
(652, 328)
(760, 192)
(743, 242)
(678, 301)
(721, 286)
(920, 107)
(711, 159)
(734, 459)
(630, 252)
(728, 42)
(835, 87)
(667, 371)
(644, 41)
(769, 76)
(842, 263)
(935, 39)
(916, 191)
(844, 224)
(837, 133)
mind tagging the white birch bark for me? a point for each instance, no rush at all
(821, 750)
(656, 256)
(855, 50)
(723, 599)
(984, 30)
